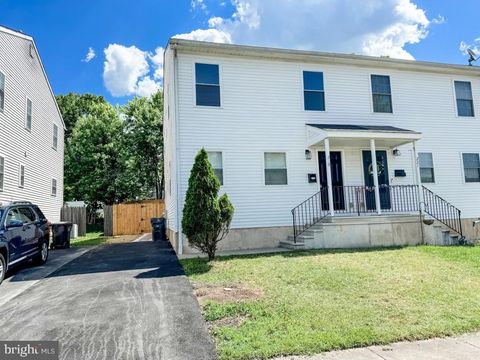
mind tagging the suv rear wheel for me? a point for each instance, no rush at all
(42, 257)
(3, 267)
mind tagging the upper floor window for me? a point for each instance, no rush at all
(215, 158)
(54, 187)
(463, 92)
(55, 136)
(28, 120)
(207, 85)
(381, 94)
(471, 167)
(427, 173)
(2, 91)
(2, 172)
(313, 91)
(275, 168)
(21, 176)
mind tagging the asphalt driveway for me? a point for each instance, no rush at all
(119, 301)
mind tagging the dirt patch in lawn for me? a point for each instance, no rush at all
(229, 321)
(225, 294)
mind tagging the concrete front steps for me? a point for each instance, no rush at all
(371, 231)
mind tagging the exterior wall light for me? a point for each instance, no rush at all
(396, 152)
(308, 154)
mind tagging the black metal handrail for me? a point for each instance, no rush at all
(440, 209)
(308, 213)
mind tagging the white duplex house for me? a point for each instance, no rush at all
(31, 128)
(292, 134)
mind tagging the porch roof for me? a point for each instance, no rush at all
(359, 135)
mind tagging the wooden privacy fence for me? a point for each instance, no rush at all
(132, 218)
(75, 215)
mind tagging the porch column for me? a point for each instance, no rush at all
(375, 176)
(329, 177)
(418, 179)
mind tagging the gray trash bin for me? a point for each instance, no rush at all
(61, 235)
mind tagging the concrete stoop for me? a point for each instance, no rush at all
(371, 231)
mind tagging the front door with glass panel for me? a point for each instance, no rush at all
(337, 179)
(383, 180)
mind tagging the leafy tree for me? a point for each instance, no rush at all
(75, 106)
(144, 138)
(206, 217)
(96, 162)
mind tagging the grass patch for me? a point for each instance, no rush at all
(324, 300)
(92, 238)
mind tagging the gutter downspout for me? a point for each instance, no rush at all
(177, 150)
(421, 201)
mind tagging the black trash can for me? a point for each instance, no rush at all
(158, 229)
(61, 235)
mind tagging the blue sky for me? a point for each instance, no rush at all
(65, 30)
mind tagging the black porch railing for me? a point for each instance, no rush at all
(354, 200)
(443, 211)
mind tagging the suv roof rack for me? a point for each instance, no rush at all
(21, 202)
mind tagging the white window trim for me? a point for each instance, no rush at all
(263, 168)
(56, 187)
(370, 87)
(455, 99)
(20, 185)
(54, 146)
(303, 91)
(433, 164)
(4, 91)
(220, 84)
(474, 183)
(4, 162)
(223, 162)
(26, 114)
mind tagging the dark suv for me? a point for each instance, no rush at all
(24, 235)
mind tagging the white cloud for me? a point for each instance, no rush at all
(371, 27)
(126, 70)
(90, 55)
(198, 4)
(475, 46)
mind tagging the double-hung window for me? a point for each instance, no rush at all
(215, 158)
(55, 136)
(207, 85)
(275, 168)
(471, 167)
(427, 173)
(28, 120)
(381, 94)
(54, 187)
(2, 172)
(464, 97)
(21, 176)
(2, 91)
(313, 91)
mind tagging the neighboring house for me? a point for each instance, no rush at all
(271, 119)
(31, 128)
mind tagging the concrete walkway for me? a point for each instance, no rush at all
(119, 301)
(465, 347)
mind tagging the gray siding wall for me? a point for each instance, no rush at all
(34, 149)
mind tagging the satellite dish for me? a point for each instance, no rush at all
(473, 56)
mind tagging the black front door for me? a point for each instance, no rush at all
(383, 180)
(337, 179)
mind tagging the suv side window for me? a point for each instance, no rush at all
(26, 215)
(13, 215)
(39, 212)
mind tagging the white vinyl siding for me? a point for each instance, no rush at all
(54, 187)
(55, 137)
(2, 172)
(216, 159)
(427, 172)
(28, 116)
(275, 168)
(21, 175)
(2, 91)
(25, 78)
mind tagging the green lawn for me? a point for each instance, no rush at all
(324, 300)
(92, 238)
